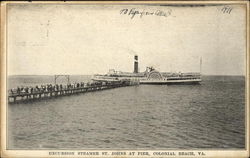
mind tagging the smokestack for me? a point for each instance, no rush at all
(136, 64)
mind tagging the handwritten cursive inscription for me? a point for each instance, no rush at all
(227, 9)
(136, 12)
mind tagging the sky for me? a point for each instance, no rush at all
(49, 39)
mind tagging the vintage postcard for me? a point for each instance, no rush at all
(125, 79)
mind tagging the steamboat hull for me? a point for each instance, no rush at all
(171, 82)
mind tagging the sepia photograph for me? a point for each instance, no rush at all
(161, 79)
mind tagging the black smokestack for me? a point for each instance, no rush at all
(136, 64)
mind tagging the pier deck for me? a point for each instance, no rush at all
(16, 97)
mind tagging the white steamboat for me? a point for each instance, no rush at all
(151, 76)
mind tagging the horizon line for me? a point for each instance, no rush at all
(99, 73)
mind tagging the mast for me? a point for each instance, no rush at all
(200, 65)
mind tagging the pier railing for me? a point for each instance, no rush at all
(48, 91)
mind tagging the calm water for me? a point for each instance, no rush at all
(210, 115)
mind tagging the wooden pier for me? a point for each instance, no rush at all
(37, 94)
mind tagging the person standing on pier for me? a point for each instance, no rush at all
(18, 90)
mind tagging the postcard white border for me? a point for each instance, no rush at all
(47, 153)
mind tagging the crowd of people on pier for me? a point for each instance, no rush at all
(52, 88)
